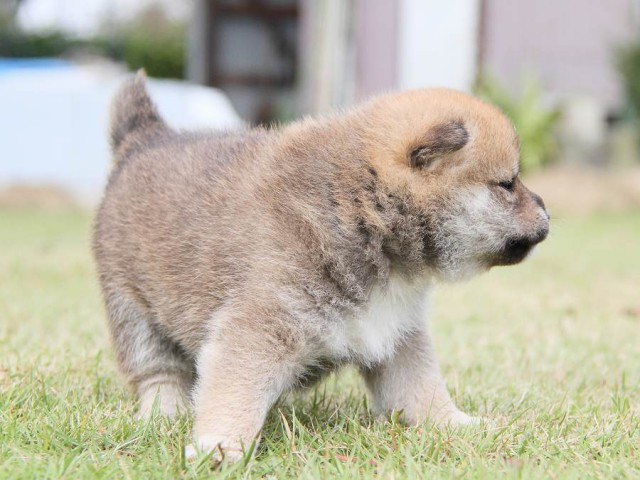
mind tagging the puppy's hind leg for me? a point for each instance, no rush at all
(154, 365)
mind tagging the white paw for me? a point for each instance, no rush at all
(165, 399)
(461, 419)
(190, 452)
(453, 417)
(214, 449)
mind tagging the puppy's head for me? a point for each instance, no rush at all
(454, 162)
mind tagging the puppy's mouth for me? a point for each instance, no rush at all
(515, 250)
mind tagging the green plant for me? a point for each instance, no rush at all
(161, 56)
(627, 62)
(18, 44)
(535, 123)
(150, 41)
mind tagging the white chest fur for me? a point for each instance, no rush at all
(373, 334)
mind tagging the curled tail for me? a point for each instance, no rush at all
(134, 118)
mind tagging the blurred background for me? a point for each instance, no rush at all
(549, 350)
(567, 72)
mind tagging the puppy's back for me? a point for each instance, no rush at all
(169, 207)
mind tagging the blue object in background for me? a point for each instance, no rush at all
(10, 65)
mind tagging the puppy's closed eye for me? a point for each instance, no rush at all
(440, 140)
(508, 184)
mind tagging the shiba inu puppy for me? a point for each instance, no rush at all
(236, 266)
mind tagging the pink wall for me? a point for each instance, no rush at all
(567, 43)
(376, 56)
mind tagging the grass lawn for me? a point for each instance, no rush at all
(548, 352)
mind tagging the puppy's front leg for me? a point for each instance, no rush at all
(242, 371)
(410, 381)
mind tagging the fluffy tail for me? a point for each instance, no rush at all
(134, 117)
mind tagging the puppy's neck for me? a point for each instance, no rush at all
(363, 230)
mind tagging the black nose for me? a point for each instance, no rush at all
(516, 249)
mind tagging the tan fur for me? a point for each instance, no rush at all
(236, 266)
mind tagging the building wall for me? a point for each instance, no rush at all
(354, 49)
(350, 50)
(327, 75)
(377, 39)
(438, 43)
(568, 44)
(247, 50)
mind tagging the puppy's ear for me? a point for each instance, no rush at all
(441, 139)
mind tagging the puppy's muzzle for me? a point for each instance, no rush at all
(516, 249)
